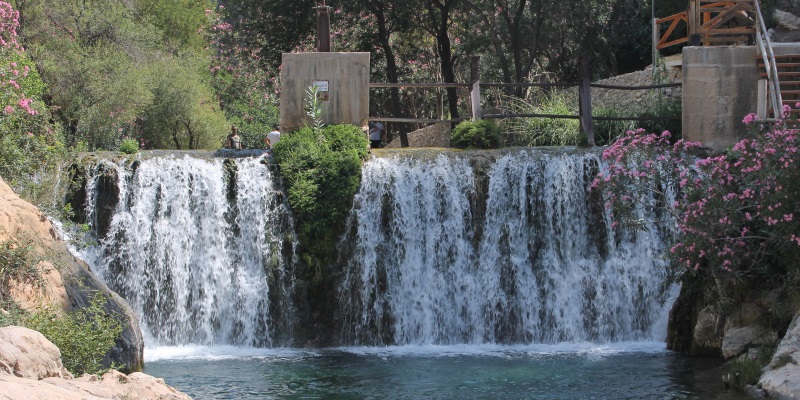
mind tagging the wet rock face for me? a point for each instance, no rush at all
(700, 329)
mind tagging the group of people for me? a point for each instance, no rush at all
(234, 141)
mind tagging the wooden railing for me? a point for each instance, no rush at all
(584, 112)
(708, 22)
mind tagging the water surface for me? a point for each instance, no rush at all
(574, 371)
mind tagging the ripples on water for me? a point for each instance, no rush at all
(574, 371)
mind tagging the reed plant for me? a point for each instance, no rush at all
(540, 131)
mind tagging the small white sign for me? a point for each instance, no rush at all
(322, 86)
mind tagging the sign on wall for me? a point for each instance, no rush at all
(322, 90)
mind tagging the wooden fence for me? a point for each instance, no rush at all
(584, 112)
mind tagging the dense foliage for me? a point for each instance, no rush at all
(322, 171)
(481, 134)
(737, 212)
(126, 68)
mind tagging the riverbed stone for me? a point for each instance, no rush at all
(781, 378)
(738, 339)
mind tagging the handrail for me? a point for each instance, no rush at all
(765, 48)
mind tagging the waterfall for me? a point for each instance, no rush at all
(446, 251)
(201, 248)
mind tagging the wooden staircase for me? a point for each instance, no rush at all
(788, 67)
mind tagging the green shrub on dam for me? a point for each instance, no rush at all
(322, 171)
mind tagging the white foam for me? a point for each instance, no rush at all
(224, 352)
(496, 350)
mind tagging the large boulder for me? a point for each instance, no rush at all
(28, 354)
(436, 135)
(738, 339)
(68, 282)
(787, 27)
(30, 368)
(781, 378)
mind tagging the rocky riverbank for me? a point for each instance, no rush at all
(31, 368)
(66, 282)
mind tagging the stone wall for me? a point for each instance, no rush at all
(636, 99)
(720, 87)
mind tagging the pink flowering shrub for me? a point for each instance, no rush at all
(28, 142)
(736, 213)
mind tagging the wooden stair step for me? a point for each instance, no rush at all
(782, 73)
(787, 65)
(779, 56)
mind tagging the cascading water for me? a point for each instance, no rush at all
(521, 252)
(200, 248)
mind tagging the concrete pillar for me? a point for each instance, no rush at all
(720, 87)
(345, 76)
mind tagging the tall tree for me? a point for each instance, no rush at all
(438, 20)
(390, 17)
(514, 28)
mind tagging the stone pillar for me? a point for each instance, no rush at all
(720, 87)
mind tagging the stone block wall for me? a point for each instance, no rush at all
(720, 87)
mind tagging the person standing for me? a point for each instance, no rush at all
(228, 139)
(272, 138)
(235, 141)
(375, 133)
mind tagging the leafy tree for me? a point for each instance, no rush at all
(247, 89)
(514, 29)
(439, 16)
(390, 18)
(97, 57)
(183, 113)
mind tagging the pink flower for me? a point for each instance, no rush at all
(8, 110)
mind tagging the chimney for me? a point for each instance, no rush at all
(323, 28)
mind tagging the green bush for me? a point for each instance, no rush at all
(17, 264)
(743, 371)
(322, 172)
(10, 314)
(84, 336)
(543, 131)
(129, 146)
(482, 134)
